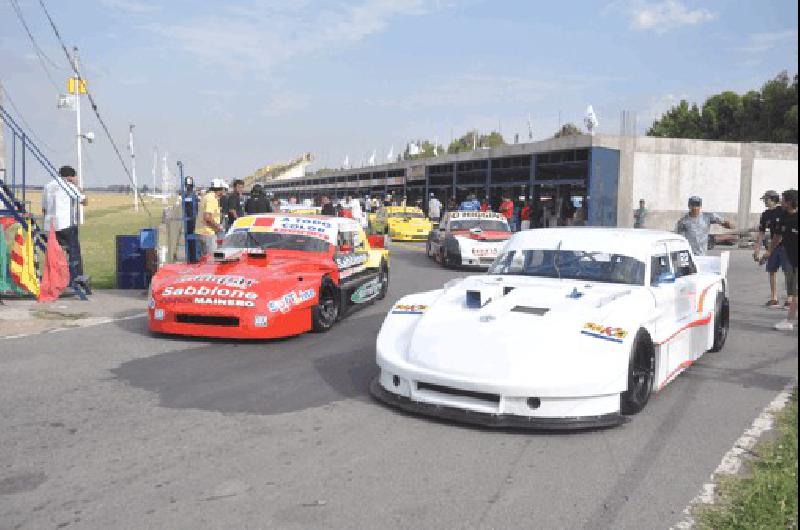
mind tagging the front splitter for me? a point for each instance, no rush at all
(502, 421)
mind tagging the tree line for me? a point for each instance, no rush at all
(766, 115)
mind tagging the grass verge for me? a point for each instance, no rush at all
(766, 496)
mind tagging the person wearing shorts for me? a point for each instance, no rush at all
(775, 259)
(787, 237)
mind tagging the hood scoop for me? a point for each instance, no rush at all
(536, 311)
(227, 255)
(482, 295)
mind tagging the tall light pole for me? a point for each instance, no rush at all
(79, 135)
(133, 169)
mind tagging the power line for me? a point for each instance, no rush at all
(39, 53)
(90, 97)
(25, 123)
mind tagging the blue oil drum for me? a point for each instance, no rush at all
(131, 263)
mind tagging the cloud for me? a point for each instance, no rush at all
(661, 16)
(262, 34)
(284, 103)
(131, 6)
(763, 42)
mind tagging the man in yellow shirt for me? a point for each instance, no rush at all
(209, 217)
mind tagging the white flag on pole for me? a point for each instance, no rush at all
(590, 120)
(413, 149)
(346, 163)
(390, 156)
(372, 158)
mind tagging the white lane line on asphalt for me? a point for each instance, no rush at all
(94, 321)
(732, 461)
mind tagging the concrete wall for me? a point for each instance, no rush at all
(730, 176)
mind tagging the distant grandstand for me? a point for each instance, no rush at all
(295, 168)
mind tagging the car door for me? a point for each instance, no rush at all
(687, 303)
(663, 288)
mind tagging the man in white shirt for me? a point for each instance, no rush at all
(434, 208)
(60, 202)
(355, 209)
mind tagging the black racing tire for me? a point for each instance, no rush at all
(444, 258)
(383, 278)
(428, 249)
(326, 312)
(722, 322)
(641, 374)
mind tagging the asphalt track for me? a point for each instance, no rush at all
(110, 427)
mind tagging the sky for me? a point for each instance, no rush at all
(228, 87)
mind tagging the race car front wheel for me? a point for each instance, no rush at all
(325, 313)
(722, 312)
(641, 374)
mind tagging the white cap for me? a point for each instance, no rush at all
(218, 184)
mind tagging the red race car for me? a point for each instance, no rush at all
(275, 275)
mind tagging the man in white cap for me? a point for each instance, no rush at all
(209, 214)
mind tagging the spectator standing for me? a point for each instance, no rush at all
(234, 203)
(190, 204)
(786, 236)
(484, 205)
(776, 257)
(60, 203)
(327, 206)
(434, 208)
(471, 204)
(257, 202)
(209, 217)
(696, 225)
(525, 216)
(507, 210)
(640, 215)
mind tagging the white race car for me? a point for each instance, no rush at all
(570, 328)
(468, 239)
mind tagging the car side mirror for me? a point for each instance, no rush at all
(665, 277)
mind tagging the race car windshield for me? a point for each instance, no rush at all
(270, 240)
(571, 264)
(487, 225)
(407, 215)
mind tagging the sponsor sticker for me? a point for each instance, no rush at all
(347, 261)
(599, 331)
(366, 291)
(173, 292)
(291, 299)
(476, 215)
(409, 309)
(228, 280)
(484, 251)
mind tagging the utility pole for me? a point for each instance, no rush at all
(133, 169)
(155, 165)
(164, 177)
(79, 135)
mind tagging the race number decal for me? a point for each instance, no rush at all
(366, 291)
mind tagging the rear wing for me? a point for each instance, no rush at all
(714, 264)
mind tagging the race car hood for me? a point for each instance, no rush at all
(523, 331)
(491, 235)
(261, 278)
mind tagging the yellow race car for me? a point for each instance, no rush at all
(402, 223)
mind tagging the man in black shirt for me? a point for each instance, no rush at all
(233, 203)
(776, 259)
(787, 236)
(327, 207)
(257, 202)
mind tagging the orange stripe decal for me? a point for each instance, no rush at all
(701, 322)
(683, 366)
(703, 296)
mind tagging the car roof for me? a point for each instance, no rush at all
(627, 241)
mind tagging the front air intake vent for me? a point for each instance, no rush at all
(538, 311)
(483, 396)
(207, 320)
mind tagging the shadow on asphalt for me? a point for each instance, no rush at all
(258, 377)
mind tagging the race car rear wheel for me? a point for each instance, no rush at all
(722, 312)
(325, 313)
(383, 278)
(641, 374)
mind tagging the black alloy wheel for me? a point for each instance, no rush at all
(641, 374)
(326, 312)
(722, 322)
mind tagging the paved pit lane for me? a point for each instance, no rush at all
(110, 427)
